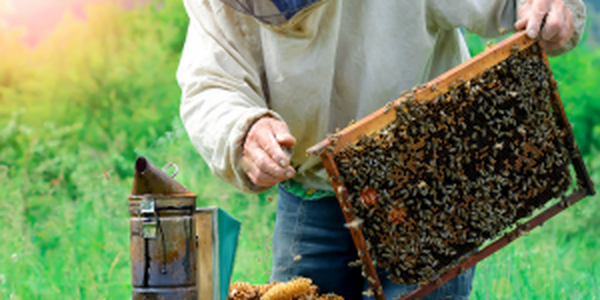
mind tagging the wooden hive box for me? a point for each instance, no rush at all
(426, 180)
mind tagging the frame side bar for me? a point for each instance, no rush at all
(357, 235)
(583, 176)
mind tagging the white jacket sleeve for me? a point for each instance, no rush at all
(222, 94)
(484, 18)
(488, 18)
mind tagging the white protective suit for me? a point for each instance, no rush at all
(334, 62)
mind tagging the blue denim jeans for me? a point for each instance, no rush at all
(310, 240)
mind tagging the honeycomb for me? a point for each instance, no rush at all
(455, 171)
(297, 289)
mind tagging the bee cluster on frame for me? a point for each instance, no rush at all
(452, 172)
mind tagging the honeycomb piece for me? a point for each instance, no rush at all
(297, 289)
(242, 291)
(289, 290)
(262, 289)
(330, 297)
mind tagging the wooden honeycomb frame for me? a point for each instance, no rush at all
(327, 149)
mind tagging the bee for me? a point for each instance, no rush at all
(368, 293)
(434, 87)
(360, 252)
(387, 107)
(355, 223)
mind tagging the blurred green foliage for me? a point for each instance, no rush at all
(110, 76)
(77, 109)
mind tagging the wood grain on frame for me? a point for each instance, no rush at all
(204, 231)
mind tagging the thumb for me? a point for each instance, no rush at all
(285, 139)
(520, 25)
(536, 14)
(533, 26)
(282, 134)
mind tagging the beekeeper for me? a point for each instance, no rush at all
(263, 80)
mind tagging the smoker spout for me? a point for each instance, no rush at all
(148, 179)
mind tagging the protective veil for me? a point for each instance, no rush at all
(271, 12)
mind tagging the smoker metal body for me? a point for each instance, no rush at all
(162, 236)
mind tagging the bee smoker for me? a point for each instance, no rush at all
(162, 236)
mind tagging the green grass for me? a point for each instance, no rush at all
(550, 263)
(54, 246)
(75, 112)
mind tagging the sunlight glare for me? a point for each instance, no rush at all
(39, 17)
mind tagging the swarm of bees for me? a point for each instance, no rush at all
(455, 171)
(297, 289)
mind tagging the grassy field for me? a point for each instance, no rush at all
(78, 248)
(78, 109)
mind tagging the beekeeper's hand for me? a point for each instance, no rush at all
(264, 160)
(559, 26)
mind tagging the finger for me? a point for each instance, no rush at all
(559, 40)
(282, 134)
(258, 177)
(564, 35)
(523, 16)
(521, 24)
(263, 133)
(555, 20)
(264, 162)
(280, 138)
(272, 148)
(285, 140)
(536, 14)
